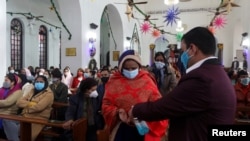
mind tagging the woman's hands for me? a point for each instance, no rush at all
(124, 117)
(68, 124)
(31, 103)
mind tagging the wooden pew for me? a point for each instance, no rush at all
(242, 121)
(79, 127)
(52, 131)
(102, 135)
(25, 124)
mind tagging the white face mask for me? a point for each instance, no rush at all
(93, 94)
(12, 71)
(159, 65)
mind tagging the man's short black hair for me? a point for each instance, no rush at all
(202, 38)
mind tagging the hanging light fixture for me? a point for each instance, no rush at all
(171, 2)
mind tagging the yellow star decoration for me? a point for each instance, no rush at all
(92, 0)
(129, 12)
(228, 4)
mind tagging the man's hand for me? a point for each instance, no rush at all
(68, 124)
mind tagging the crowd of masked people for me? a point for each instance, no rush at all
(131, 101)
(31, 92)
(240, 79)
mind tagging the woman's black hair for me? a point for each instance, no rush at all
(160, 54)
(12, 78)
(23, 78)
(56, 73)
(87, 84)
(45, 85)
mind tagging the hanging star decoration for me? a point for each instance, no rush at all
(211, 29)
(219, 22)
(179, 36)
(145, 27)
(228, 4)
(129, 12)
(172, 15)
(156, 33)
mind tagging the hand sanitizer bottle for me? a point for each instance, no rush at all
(141, 126)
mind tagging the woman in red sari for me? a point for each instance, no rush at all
(129, 86)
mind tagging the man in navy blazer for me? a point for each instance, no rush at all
(204, 96)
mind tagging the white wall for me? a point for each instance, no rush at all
(79, 14)
(3, 40)
(30, 44)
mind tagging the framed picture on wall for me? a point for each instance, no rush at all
(70, 51)
(116, 55)
(239, 55)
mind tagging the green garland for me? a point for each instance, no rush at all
(30, 15)
(112, 35)
(59, 17)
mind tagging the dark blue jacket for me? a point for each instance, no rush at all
(75, 109)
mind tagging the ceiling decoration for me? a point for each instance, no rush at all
(228, 4)
(172, 15)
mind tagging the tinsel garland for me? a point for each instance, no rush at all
(59, 17)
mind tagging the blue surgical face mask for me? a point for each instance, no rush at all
(130, 74)
(86, 75)
(185, 58)
(159, 65)
(244, 81)
(39, 86)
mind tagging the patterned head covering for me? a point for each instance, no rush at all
(129, 54)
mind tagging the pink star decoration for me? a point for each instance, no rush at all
(145, 27)
(219, 22)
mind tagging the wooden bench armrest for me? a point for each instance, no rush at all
(31, 120)
(59, 104)
(79, 128)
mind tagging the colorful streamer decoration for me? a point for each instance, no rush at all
(156, 33)
(219, 22)
(145, 27)
(172, 15)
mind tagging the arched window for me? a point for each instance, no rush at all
(43, 44)
(16, 44)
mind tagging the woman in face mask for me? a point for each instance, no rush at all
(164, 74)
(37, 103)
(128, 86)
(9, 94)
(242, 90)
(77, 80)
(60, 91)
(83, 105)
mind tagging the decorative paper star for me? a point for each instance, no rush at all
(228, 5)
(156, 33)
(211, 29)
(219, 22)
(179, 36)
(172, 15)
(145, 27)
(129, 12)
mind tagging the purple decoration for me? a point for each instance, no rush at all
(172, 15)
